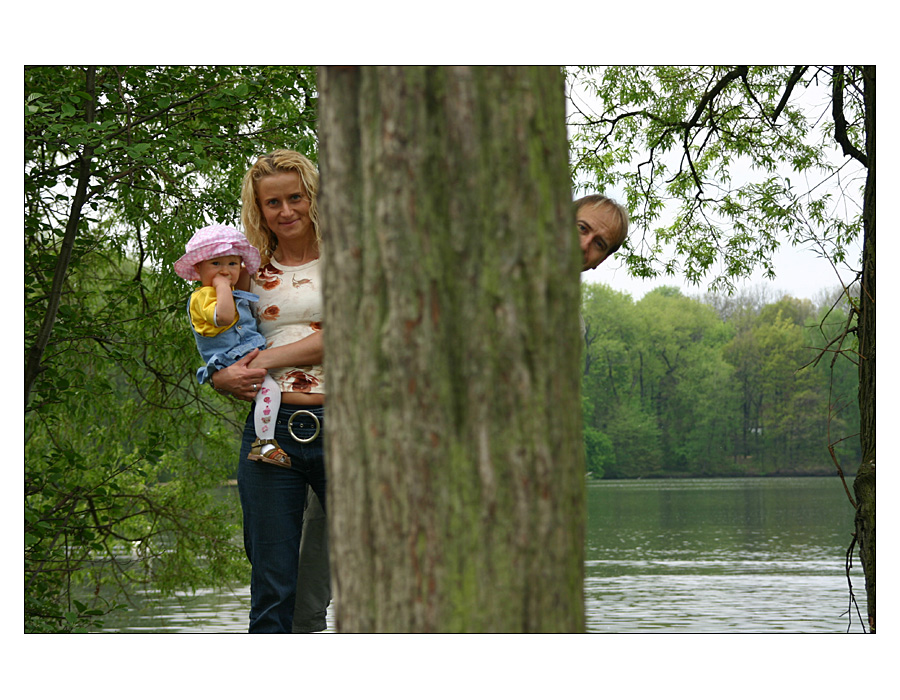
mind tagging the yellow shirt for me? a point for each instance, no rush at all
(203, 313)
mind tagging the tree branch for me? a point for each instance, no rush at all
(840, 122)
(789, 88)
(724, 81)
(740, 72)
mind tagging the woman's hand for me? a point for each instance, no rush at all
(300, 353)
(243, 282)
(240, 380)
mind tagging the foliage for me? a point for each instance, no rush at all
(679, 388)
(599, 452)
(734, 160)
(125, 455)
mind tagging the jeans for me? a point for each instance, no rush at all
(273, 499)
(313, 573)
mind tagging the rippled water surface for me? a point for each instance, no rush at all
(694, 555)
(735, 555)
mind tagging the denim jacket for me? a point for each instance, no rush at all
(229, 346)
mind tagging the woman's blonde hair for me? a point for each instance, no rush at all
(255, 227)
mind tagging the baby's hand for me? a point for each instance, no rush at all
(221, 281)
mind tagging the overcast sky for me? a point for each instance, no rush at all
(799, 272)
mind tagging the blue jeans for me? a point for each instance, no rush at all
(273, 500)
(313, 573)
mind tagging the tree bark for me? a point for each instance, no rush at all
(454, 449)
(864, 484)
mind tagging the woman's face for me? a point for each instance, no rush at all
(284, 205)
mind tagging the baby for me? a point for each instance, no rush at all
(223, 325)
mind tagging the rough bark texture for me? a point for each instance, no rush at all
(456, 466)
(864, 484)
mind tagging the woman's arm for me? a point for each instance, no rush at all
(300, 353)
(243, 282)
(238, 379)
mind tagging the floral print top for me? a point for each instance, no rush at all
(290, 309)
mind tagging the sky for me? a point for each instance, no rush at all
(799, 272)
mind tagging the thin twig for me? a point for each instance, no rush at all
(848, 564)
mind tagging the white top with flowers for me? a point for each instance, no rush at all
(290, 309)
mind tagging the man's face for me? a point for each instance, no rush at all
(598, 234)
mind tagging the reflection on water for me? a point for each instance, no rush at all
(694, 555)
(222, 610)
(720, 555)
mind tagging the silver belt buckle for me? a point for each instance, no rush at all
(315, 420)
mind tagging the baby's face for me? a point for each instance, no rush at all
(228, 266)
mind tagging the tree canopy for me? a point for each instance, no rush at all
(721, 165)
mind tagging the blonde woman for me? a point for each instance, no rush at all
(280, 219)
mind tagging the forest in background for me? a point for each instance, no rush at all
(716, 385)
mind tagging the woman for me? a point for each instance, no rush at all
(280, 218)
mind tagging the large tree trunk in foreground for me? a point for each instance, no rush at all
(456, 466)
(864, 485)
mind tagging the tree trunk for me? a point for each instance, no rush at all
(864, 484)
(455, 457)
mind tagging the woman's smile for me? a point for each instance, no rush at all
(284, 203)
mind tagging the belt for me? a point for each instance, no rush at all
(315, 419)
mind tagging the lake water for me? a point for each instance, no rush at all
(692, 555)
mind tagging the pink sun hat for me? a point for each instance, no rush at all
(214, 242)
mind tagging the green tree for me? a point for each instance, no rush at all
(453, 341)
(789, 397)
(610, 348)
(123, 451)
(836, 364)
(740, 159)
(687, 385)
(616, 385)
(599, 452)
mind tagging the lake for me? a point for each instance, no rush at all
(687, 555)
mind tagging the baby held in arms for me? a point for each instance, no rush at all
(223, 324)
